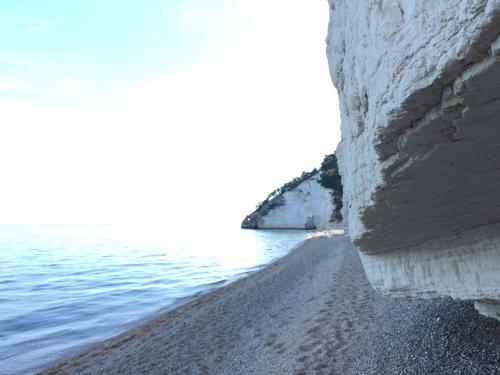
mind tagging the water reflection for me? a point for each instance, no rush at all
(64, 287)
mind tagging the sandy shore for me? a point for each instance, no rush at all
(311, 312)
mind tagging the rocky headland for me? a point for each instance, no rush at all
(311, 201)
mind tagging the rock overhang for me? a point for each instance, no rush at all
(419, 90)
(446, 176)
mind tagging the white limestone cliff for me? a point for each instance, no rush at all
(307, 206)
(419, 93)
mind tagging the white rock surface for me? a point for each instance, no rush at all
(419, 90)
(307, 206)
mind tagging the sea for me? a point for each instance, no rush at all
(63, 288)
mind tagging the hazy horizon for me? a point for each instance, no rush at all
(173, 113)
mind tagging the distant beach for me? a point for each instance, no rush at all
(326, 233)
(310, 312)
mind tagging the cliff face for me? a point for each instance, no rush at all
(306, 206)
(419, 92)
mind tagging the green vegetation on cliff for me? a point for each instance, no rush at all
(288, 186)
(274, 200)
(330, 178)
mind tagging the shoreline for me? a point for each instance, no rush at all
(181, 303)
(309, 312)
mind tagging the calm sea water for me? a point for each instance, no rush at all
(65, 287)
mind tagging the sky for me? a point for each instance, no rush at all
(173, 112)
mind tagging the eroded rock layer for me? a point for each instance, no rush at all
(419, 91)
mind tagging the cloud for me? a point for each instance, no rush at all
(46, 26)
(49, 88)
(210, 17)
(16, 85)
(70, 84)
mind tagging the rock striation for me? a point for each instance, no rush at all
(419, 93)
(306, 204)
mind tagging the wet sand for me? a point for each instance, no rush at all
(311, 312)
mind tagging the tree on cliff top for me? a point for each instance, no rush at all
(330, 178)
(291, 185)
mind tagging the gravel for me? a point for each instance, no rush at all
(311, 312)
(435, 337)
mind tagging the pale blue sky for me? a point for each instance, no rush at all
(159, 110)
(50, 45)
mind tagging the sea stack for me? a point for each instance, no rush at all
(419, 92)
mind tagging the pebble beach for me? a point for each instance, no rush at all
(310, 312)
